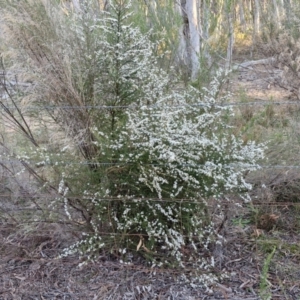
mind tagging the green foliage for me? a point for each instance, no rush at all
(164, 22)
(167, 150)
(150, 152)
(240, 221)
(264, 292)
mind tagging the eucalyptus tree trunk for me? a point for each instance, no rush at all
(256, 12)
(229, 13)
(182, 52)
(189, 45)
(194, 43)
(256, 20)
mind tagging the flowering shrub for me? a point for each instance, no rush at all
(170, 157)
(155, 152)
(176, 149)
(169, 152)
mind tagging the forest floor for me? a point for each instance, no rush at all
(259, 263)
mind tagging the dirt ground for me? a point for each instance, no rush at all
(29, 268)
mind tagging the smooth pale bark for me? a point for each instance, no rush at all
(276, 14)
(182, 52)
(256, 25)
(249, 4)
(256, 12)
(230, 40)
(194, 36)
(251, 63)
(189, 44)
(76, 5)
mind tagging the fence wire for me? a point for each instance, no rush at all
(107, 164)
(222, 202)
(259, 102)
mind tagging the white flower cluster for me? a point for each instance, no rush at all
(187, 147)
(180, 148)
(170, 149)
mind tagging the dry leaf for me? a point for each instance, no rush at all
(267, 221)
(146, 249)
(273, 217)
(257, 233)
(139, 244)
(22, 278)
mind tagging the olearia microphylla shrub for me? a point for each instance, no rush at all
(159, 150)
(160, 158)
(170, 157)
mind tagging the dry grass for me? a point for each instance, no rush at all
(29, 249)
(30, 240)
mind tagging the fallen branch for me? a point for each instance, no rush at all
(251, 63)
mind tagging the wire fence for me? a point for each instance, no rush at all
(222, 201)
(107, 164)
(259, 102)
(107, 107)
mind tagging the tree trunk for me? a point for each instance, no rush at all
(194, 32)
(256, 20)
(230, 38)
(182, 52)
(189, 44)
(256, 13)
